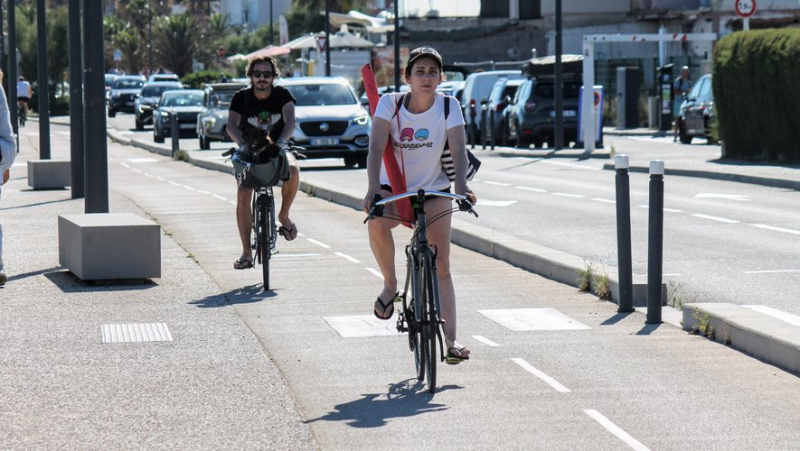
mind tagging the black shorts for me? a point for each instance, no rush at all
(24, 99)
(389, 188)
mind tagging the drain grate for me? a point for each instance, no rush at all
(135, 333)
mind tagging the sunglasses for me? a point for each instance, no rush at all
(262, 74)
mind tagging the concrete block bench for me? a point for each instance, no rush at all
(106, 246)
(48, 174)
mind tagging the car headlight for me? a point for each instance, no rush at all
(361, 120)
(164, 115)
(116, 94)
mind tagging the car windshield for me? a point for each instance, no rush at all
(548, 90)
(128, 84)
(222, 98)
(183, 100)
(156, 91)
(322, 94)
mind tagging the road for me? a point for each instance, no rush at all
(599, 380)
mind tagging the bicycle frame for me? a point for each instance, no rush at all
(264, 229)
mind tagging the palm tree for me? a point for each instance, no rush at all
(130, 44)
(177, 41)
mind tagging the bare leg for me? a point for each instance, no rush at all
(244, 220)
(288, 193)
(382, 243)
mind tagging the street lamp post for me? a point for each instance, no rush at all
(150, 37)
(271, 26)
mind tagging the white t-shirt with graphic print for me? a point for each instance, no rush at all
(419, 140)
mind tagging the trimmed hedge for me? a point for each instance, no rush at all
(757, 94)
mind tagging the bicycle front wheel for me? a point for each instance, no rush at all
(430, 320)
(264, 237)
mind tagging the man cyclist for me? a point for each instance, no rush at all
(24, 94)
(269, 108)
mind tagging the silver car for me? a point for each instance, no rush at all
(331, 123)
(213, 118)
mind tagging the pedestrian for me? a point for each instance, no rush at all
(422, 109)
(8, 152)
(680, 89)
(263, 106)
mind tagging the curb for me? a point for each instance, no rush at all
(741, 178)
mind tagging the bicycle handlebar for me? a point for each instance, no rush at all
(295, 150)
(378, 202)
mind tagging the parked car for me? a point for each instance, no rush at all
(123, 94)
(531, 116)
(148, 100)
(186, 103)
(476, 89)
(499, 99)
(108, 82)
(212, 121)
(163, 77)
(697, 112)
(331, 123)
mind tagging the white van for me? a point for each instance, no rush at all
(477, 87)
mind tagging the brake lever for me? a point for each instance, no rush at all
(375, 211)
(466, 206)
(229, 152)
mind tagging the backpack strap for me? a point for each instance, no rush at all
(397, 106)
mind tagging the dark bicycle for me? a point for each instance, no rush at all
(21, 113)
(421, 316)
(265, 228)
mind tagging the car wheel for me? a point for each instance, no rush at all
(710, 139)
(111, 112)
(350, 162)
(204, 144)
(522, 143)
(139, 124)
(685, 139)
(538, 143)
(157, 137)
(503, 134)
(362, 161)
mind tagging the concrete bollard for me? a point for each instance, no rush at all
(624, 259)
(655, 242)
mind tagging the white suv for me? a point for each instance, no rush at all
(477, 87)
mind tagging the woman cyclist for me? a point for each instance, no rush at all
(418, 131)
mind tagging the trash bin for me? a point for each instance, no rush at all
(628, 97)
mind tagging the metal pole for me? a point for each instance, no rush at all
(12, 68)
(174, 132)
(624, 260)
(559, 125)
(271, 26)
(327, 38)
(96, 147)
(2, 38)
(483, 123)
(655, 242)
(397, 45)
(76, 99)
(492, 128)
(44, 85)
(150, 37)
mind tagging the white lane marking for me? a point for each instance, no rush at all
(776, 229)
(485, 341)
(736, 197)
(160, 178)
(175, 184)
(773, 271)
(497, 203)
(136, 170)
(148, 175)
(775, 313)
(608, 201)
(535, 190)
(125, 165)
(715, 218)
(549, 380)
(318, 243)
(497, 183)
(616, 430)
(65, 133)
(295, 255)
(668, 210)
(646, 207)
(577, 196)
(203, 192)
(671, 275)
(570, 165)
(189, 188)
(347, 257)
(232, 202)
(142, 160)
(19, 164)
(375, 272)
(220, 197)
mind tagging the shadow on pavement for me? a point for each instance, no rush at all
(70, 283)
(615, 319)
(38, 204)
(404, 399)
(245, 295)
(648, 329)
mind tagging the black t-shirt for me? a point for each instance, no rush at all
(265, 114)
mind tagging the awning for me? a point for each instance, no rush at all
(270, 50)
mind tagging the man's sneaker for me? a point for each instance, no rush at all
(3, 278)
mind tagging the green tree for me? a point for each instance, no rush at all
(177, 41)
(133, 55)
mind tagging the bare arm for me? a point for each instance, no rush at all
(288, 122)
(379, 135)
(233, 127)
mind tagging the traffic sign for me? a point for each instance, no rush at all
(117, 55)
(321, 43)
(745, 8)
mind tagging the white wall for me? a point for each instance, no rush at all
(258, 11)
(586, 7)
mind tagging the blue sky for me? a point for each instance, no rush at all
(447, 8)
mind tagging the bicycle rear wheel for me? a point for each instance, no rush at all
(430, 321)
(264, 237)
(414, 338)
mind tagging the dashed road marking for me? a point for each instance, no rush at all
(318, 243)
(497, 203)
(203, 192)
(570, 165)
(549, 380)
(600, 199)
(347, 257)
(773, 271)
(715, 218)
(189, 188)
(175, 184)
(485, 341)
(576, 196)
(220, 197)
(375, 272)
(776, 229)
(616, 430)
(535, 190)
(497, 183)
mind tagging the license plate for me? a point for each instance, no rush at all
(567, 113)
(324, 141)
(187, 126)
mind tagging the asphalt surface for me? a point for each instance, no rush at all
(247, 369)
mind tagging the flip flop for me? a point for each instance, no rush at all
(453, 358)
(242, 264)
(290, 234)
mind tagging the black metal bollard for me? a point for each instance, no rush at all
(483, 125)
(655, 242)
(624, 259)
(472, 138)
(175, 131)
(492, 128)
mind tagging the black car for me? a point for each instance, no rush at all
(499, 99)
(148, 100)
(184, 104)
(531, 116)
(697, 112)
(123, 94)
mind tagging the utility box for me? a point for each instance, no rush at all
(628, 97)
(665, 97)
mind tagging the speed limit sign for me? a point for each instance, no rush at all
(745, 8)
